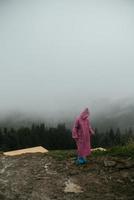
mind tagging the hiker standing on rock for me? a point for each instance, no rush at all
(81, 133)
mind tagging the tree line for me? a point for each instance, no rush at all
(59, 137)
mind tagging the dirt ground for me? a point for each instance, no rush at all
(44, 177)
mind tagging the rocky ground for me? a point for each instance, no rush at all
(47, 177)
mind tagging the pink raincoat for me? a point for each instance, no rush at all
(82, 132)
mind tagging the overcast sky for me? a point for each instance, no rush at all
(62, 55)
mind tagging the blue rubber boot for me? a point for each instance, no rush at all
(85, 160)
(80, 161)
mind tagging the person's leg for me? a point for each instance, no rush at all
(80, 159)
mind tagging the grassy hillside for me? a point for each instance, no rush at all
(121, 151)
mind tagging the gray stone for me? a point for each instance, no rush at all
(109, 163)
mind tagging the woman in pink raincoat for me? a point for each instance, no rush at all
(81, 133)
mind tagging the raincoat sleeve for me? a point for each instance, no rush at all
(75, 130)
(91, 131)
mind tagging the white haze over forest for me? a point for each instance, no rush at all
(58, 57)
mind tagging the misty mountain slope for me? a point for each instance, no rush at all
(115, 117)
(19, 119)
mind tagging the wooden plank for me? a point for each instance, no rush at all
(38, 149)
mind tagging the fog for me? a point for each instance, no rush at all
(58, 57)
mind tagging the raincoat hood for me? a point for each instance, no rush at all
(84, 114)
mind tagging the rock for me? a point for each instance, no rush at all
(125, 174)
(72, 187)
(119, 198)
(1, 196)
(125, 165)
(109, 163)
(119, 181)
(129, 164)
(120, 166)
(131, 180)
